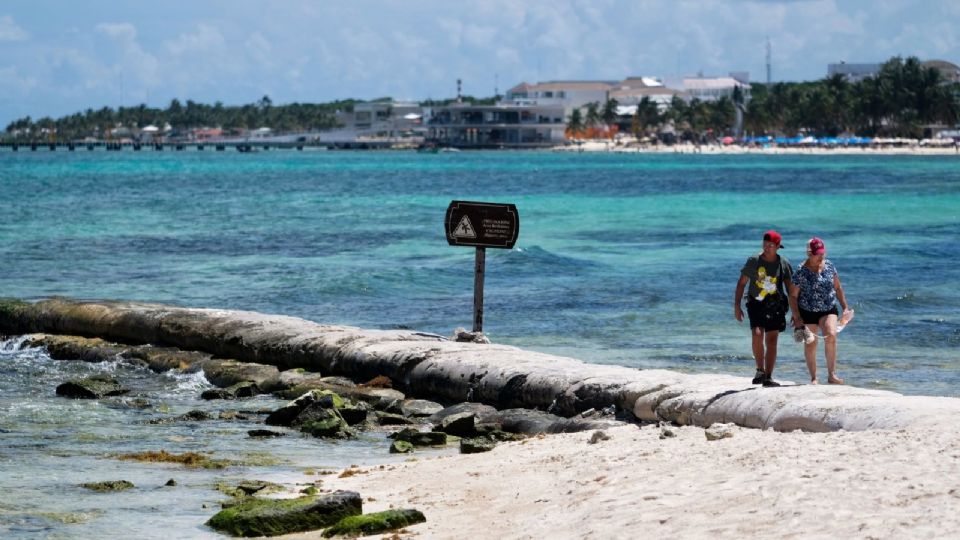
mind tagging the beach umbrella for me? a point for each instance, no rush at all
(727, 140)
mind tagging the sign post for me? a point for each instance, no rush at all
(481, 225)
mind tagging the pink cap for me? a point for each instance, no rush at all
(815, 246)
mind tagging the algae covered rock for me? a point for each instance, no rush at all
(271, 517)
(242, 389)
(401, 447)
(376, 522)
(108, 485)
(476, 445)
(420, 438)
(94, 387)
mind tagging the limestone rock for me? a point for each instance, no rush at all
(243, 389)
(94, 387)
(419, 408)
(482, 413)
(460, 424)
(476, 445)
(226, 373)
(719, 431)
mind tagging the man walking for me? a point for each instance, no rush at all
(765, 276)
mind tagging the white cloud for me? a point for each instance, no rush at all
(203, 40)
(121, 31)
(9, 31)
(142, 67)
(13, 82)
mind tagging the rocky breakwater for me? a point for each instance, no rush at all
(431, 366)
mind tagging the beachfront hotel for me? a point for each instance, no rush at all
(535, 115)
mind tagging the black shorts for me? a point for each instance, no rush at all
(813, 317)
(771, 316)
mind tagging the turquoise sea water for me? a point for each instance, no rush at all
(625, 259)
(622, 259)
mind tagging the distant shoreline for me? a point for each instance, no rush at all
(717, 149)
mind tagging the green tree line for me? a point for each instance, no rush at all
(183, 116)
(899, 101)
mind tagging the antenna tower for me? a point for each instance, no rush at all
(768, 61)
(459, 95)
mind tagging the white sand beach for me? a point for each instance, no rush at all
(755, 484)
(631, 147)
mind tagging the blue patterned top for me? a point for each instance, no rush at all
(816, 290)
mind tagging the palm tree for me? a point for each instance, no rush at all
(593, 115)
(575, 124)
(609, 113)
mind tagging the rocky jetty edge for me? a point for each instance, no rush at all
(434, 367)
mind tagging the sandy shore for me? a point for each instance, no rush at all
(717, 149)
(756, 484)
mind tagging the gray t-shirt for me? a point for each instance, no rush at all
(767, 280)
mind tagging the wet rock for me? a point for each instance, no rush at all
(375, 523)
(161, 359)
(195, 415)
(476, 445)
(532, 422)
(667, 433)
(171, 483)
(272, 517)
(326, 423)
(286, 415)
(419, 408)
(109, 485)
(264, 433)
(420, 438)
(94, 387)
(460, 424)
(243, 389)
(355, 414)
(483, 413)
(389, 419)
(401, 447)
(76, 348)
(226, 373)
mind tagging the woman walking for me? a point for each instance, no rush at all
(815, 290)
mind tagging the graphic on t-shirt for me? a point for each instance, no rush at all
(766, 284)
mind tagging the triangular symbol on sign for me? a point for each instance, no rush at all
(464, 229)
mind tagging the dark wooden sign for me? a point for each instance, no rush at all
(482, 224)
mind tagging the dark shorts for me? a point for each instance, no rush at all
(813, 317)
(771, 316)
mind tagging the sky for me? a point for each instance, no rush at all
(62, 57)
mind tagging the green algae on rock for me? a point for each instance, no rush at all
(108, 485)
(272, 517)
(376, 522)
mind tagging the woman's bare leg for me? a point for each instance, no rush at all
(810, 354)
(828, 325)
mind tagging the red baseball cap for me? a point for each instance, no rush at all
(773, 236)
(815, 246)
